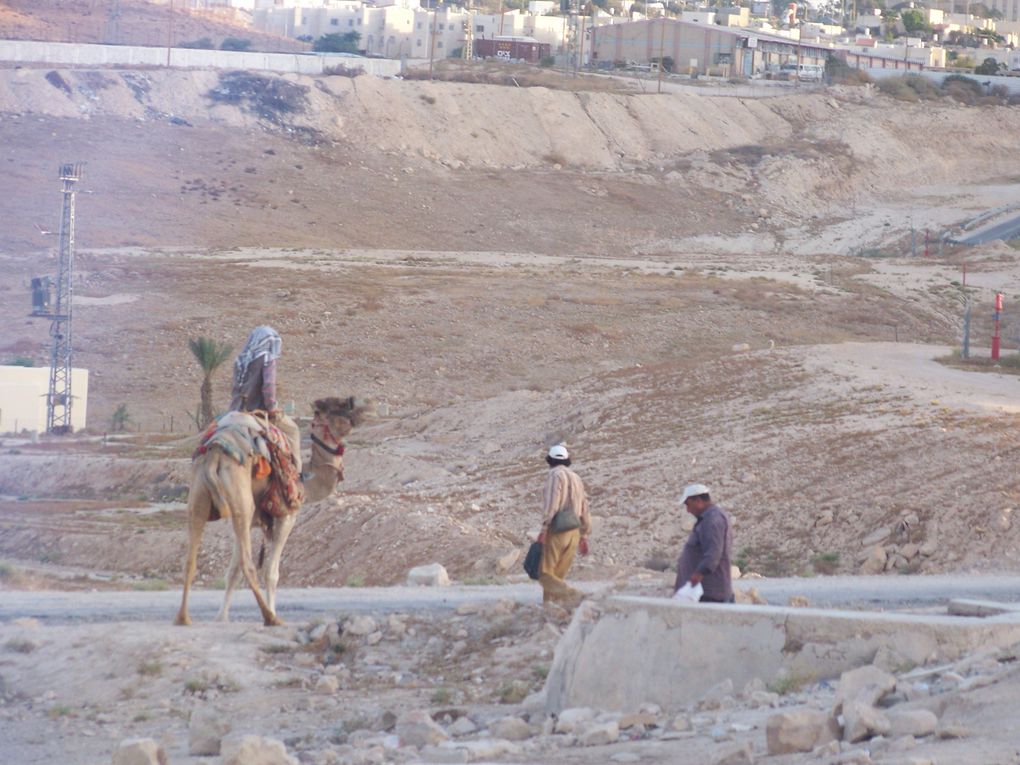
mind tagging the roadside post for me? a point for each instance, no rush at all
(995, 336)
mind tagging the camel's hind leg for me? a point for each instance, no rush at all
(281, 530)
(242, 539)
(231, 581)
(199, 507)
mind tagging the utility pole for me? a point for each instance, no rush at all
(432, 39)
(662, 44)
(468, 51)
(170, 34)
(59, 398)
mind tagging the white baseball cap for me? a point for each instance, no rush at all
(559, 452)
(694, 490)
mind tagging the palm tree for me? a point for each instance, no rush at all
(210, 356)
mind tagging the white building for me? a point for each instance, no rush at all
(23, 392)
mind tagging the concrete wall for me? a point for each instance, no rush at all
(1012, 83)
(74, 54)
(625, 651)
(23, 393)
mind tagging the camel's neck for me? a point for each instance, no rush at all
(321, 480)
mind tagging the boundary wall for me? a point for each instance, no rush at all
(92, 55)
(1012, 83)
(625, 651)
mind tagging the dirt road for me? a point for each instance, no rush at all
(309, 604)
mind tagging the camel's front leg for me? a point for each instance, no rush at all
(281, 530)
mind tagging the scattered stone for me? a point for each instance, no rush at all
(876, 537)
(511, 729)
(570, 720)
(327, 685)
(463, 726)
(360, 625)
(875, 562)
(486, 749)
(444, 754)
(861, 721)
(508, 561)
(764, 699)
(798, 601)
(750, 595)
(139, 751)
(799, 731)
(417, 728)
(625, 757)
(902, 744)
(254, 750)
(865, 684)
(912, 722)
(644, 719)
(206, 730)
(680, 724)
(741, 347)
(718, 696)
(432, 575)
(600, 734)
(740, 754)
(952, 730)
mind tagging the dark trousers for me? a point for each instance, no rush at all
(707, 599)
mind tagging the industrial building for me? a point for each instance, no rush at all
(726, 51)
(23, 392)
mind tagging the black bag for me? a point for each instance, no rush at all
(565, 520)
(533, 560)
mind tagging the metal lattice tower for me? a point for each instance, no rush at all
(59, 399)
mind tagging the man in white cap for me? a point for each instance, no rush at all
(705, 559)
(566, 524)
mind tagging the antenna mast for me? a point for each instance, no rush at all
(58, 400)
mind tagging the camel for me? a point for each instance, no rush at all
(220, 483)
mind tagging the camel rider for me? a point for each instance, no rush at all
(255, 384)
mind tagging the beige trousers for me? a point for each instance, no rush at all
(557, 556)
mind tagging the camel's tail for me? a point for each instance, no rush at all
(213, 480)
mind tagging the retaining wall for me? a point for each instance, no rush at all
(622, 652)
(80, 54)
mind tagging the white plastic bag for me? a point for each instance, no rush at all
(689, 594)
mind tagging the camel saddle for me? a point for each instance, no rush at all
(241, 435)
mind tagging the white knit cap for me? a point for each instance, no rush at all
(559, 452)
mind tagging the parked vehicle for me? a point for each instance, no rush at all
(803, 72)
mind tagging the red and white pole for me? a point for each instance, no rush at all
(995, 337)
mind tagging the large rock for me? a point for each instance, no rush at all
(875, 562)
(862, 721)
(867, 685)
(206, 730)
(432, 575)
(139, 751)
(571, 720)
(799, 731)
(419, 729)
(912, 722)
(511, 729)
(254, 750)
(600, 733)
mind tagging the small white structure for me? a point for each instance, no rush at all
(23, 398)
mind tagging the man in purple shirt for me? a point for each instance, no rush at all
(705, 559)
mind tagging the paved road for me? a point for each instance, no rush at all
(298, 605)
(1005, 230)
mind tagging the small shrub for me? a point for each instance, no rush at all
(21, 361)
(150, 668)
(441, 696)
(151, 585)
(342, 70)
(787, 684)
(235, 43)
(427, 99)
(965, 90)
(826, 563)
(513, 693)
(355, 580)
(60, 710)
(277, 648)
(20, 645)
(202, 43)
(547, 61)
